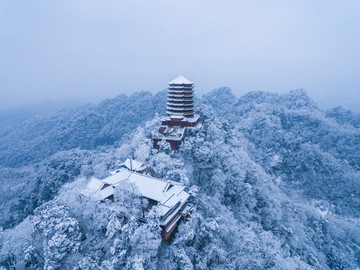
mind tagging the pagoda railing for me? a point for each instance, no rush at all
(180, 104)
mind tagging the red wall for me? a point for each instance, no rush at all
(165, 235)
(173, 144)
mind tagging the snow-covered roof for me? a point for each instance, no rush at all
(134, 165)
(118, 176)
(168, 194)
(149, 187)
(175, 196)
(92, 187)
(130, 164)
(180, 80)
(105, 193)
(173, 133)
(193, 118)
(176, 116)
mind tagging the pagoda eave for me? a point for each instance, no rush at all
(179, 109)
(180, 104)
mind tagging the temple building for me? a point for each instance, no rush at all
(169, 197)
(180, 113)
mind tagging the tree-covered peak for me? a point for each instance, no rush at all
(274, 182)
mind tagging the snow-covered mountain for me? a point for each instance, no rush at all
(86, 127)
(275, 183)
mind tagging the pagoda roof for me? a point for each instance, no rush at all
(168, 194)
(180, 80)
(192, 119)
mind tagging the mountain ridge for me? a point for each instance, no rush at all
(275, 183)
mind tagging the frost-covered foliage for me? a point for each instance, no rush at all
(86, 127)
(60, 233)
(302, 146)
(26, 188)
(275, 185)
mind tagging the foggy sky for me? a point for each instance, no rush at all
(90, 50)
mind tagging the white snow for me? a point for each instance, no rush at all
(168, 194)
(92, 187)
(134, 165)
(120, 175)
(105, 193)
(180, 80)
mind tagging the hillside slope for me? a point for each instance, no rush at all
(275, 183)
(85, 127)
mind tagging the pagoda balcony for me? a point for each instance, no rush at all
(180, 96)
(186, 115)
(191, 107)
(172, 110)
(179, 104)
(179, 101)
(180, 92)
(180, 87)
(187, 101)
(179, 109)
(176, 98)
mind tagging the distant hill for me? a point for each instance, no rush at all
(15, 117)
(38, 136)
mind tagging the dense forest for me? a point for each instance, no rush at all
(275, 182)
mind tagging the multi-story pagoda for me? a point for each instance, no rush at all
(180, 102)
(180, 113)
